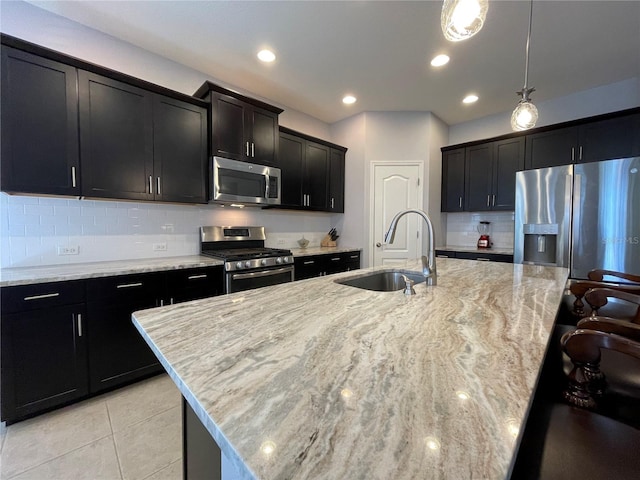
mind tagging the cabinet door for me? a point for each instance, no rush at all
(194, 283)
(551, 149)
(264, 137)
(609, 139)
(228, 138)
(508, 158)
(308, 267)
(39, 125)
(478, 177)
(453, 181)
(291, 158)
(44, 359)
(180, 151)
(117, 352)
(316, 175)
(116, 135)
(336, 181)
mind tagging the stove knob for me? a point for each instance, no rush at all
(263, 262)
(286, 259)
(279, 260)
(247, 264)
(239, 265)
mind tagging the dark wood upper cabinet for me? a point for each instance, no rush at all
(316, 175)
(180, 151)
(482, 177)
(312, 172)
(478, 177)
(116, 138)
(453, 178)
(39, 125)
(242, 128)
(508, 158)
(604, 139)
(551, 148)
(336, 181)
(609, 139)
(292, 154)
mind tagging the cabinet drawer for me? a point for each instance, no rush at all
(194, 283)
(126, 286)
(490, 257)
(42, 295)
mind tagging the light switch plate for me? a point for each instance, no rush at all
(68, 249)
(159, 247)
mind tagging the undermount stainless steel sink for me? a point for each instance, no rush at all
(385, 281)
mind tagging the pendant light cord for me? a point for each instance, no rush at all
(526, 65)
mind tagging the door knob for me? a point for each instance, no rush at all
(378, 244)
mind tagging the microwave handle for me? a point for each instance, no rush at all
(266, 188)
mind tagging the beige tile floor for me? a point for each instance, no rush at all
(131, 433)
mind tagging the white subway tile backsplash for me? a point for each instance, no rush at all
(462, 228)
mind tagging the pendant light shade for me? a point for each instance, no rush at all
(462, 19)
(525, 114)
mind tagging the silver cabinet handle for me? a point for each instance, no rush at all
(442, 256)
(332, 202)
(129, 285)
(493, 202)
(335, 259)
(247, 149)
(150, 185)
(78, 323)
(488, 200)
(158, 185)
(263, 273)
(40, 297)
(573, 154)
(196, 277)
(460, 203)
(580, 153)
(354, 256)
(73, 177)
(483, 259)
(309, 262)
(253, 150)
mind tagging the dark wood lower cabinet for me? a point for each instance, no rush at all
(325, 264)
(43, 341)
(117, 352)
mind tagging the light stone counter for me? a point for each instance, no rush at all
(78, 271)
(313, 379)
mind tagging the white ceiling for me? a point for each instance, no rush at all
(380, 50)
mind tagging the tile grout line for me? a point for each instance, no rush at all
(57, 457)
(113, 441)
(166, 466)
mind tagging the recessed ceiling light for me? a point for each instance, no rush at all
(349, 99)
(440, 60)
(470, 99)
(266, 55)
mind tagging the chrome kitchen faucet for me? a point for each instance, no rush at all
(428, 264)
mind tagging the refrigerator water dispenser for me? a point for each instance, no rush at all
(540, 241)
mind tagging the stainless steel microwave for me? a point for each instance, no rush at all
(234, 182)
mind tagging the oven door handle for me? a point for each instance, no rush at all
(263, 273)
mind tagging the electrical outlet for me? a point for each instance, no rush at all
(281, 241)
(68, 249)
(159, 247)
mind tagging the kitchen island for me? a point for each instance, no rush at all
(314, 379)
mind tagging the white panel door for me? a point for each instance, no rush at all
(396, 188)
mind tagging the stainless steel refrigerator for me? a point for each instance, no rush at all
(582, 216)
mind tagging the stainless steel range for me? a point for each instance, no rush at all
(247, 262)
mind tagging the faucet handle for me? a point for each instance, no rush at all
(408, 286)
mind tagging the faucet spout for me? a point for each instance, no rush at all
(429, 261)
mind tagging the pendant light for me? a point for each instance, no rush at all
(462, 19)
(525, 114)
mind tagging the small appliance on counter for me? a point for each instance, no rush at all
(485, 240)
(303, 242)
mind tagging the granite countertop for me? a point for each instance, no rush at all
(500, 251)
(313, 379)
(78, 271)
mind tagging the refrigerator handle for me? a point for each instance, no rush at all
(577, 214)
